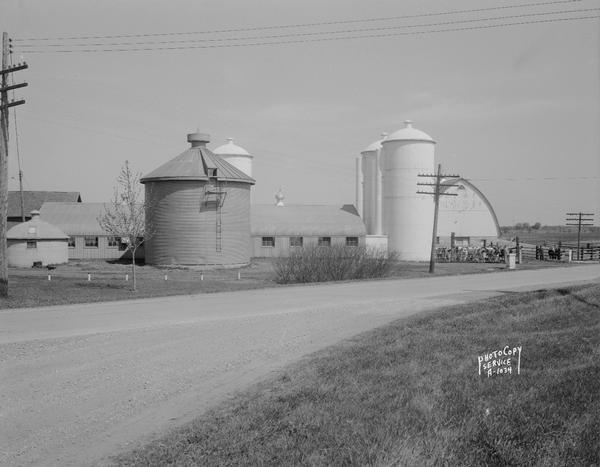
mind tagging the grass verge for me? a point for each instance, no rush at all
(31, 287)
(410, 394)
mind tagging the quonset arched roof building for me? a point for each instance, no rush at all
(469, 215)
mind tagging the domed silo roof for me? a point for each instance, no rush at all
(375, 145)
(231, 149)
(197, 163)
(408, 133)
(236, 156)
(35, 229)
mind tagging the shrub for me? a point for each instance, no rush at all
(334, 263)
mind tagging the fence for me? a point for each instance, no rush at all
(471, 254)
(529, 252)
(560, 253)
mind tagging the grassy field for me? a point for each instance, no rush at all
(552, 237)
(30, 287)
(411, 394)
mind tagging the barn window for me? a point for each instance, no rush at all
(71, 242)
(351, 241)
(296, 242)
(91, 241)
(268, 241)
(324, 241)
(31, 243)
(462, 241)
(113, 242)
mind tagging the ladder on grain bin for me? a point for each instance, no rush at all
(214, 193)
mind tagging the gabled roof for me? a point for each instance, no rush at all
(306, 220)
(33, 200)
(194, 164)
(74, 218)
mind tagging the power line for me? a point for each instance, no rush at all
(303, 25)
(528, 179)
(326, 39)
(313, 33)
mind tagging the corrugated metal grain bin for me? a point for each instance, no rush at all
(36, 241)
(197, 210)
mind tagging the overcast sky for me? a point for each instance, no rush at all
(515, 109)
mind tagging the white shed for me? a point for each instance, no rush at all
(36, 241)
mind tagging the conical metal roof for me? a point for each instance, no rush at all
(35, 229)
(197, 163)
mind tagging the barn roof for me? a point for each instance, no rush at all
(194, 164)
(306, 220)
(33, 200)
(301, 220)
(35, 229)
(463, 181)
(74, 218)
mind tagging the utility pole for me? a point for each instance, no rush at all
(436, 197)
(21, 192)
(580, 223)
(4, 106)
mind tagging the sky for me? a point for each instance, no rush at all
(514, 109)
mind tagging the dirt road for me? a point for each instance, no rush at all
(79, 383)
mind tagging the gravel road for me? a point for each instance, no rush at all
(82, 382)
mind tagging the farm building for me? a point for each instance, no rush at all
(87, 240)
(33, 200)
(36, 241)
(198, 209)
(388, 172)
(278, 229)
(466, 219)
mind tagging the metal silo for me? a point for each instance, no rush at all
(408, 216)
(236, 156)
(198, 210)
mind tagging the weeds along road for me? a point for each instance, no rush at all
(82, 382)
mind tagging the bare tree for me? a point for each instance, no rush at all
(124, 216)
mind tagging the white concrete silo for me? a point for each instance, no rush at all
(369, 167)
(372, 187)
(236, 156)
(359, 187)
(408, 216)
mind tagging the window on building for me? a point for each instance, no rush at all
(351, 241)
(324, 241)
(91, 241)
(71, 242)
(296, 242)
(31, 243)
(113, 242)
(462, 241)
(268, 241)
